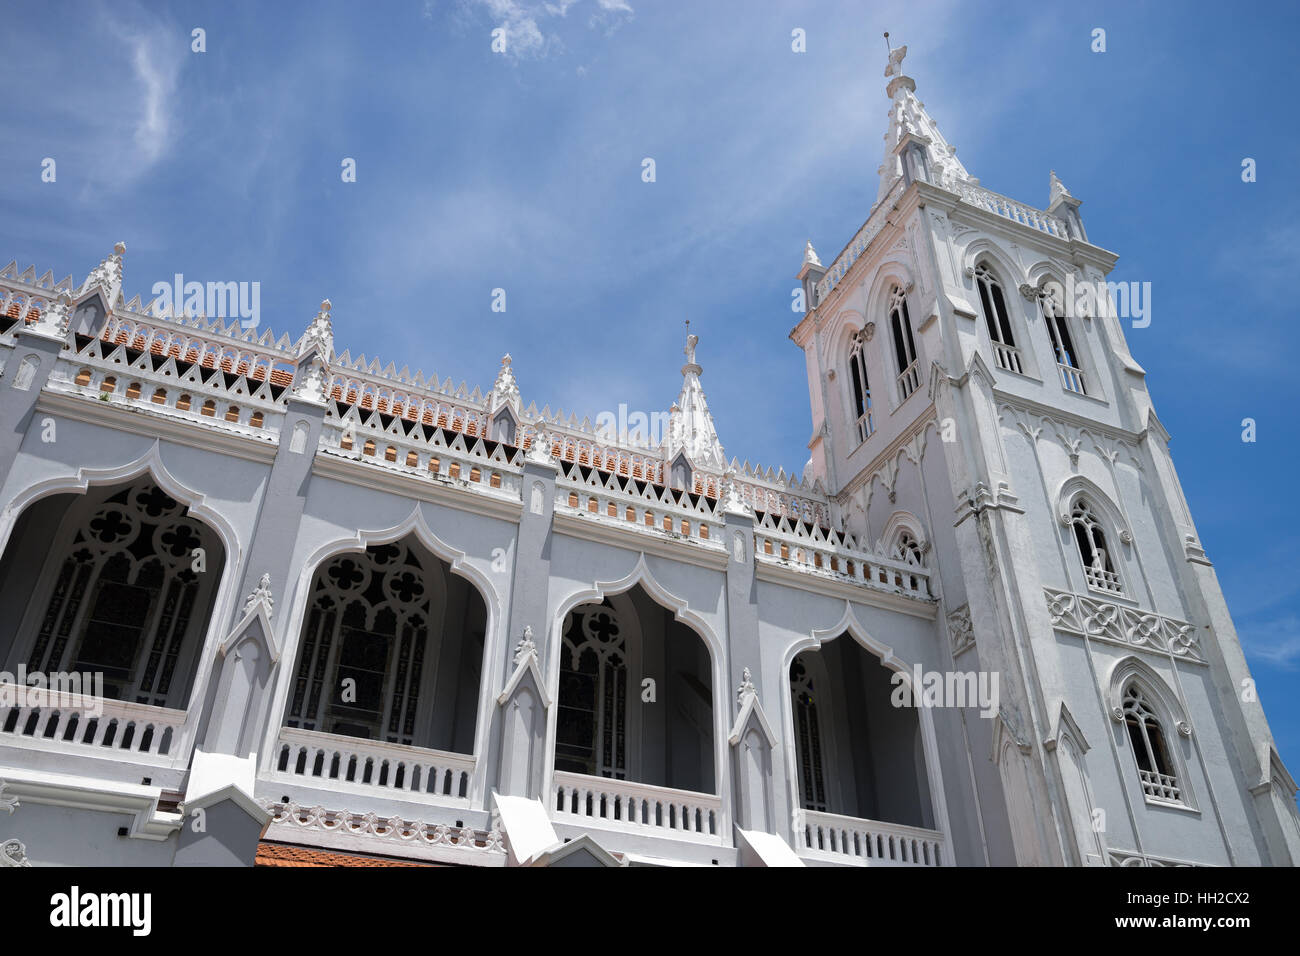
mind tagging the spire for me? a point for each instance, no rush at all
(505, 391)
(1058, 191)
(106, 277)
(907, 116)
(319, 337)
(690, 426)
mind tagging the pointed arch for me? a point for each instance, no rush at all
(1153, 721)
(641, 576)
(150, 465)
(848, 624)
(457, 562)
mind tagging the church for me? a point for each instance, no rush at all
(333, 613)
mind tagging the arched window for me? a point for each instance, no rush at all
(808, 737)
(1058, 329)
(900, 325)
(592, 721)
(998, 319)
(130, 589)
(1155, 764)
(908, 549)
(861, 387)
(1098, 567)
(362, 660)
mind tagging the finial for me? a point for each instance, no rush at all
(325, 306)
(261, 596)
(1057, 190)
(810, 254)
(887, 45)
(746, 689)
(119, 248)
(895, 67)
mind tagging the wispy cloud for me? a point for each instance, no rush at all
(155, 52)
(1276, 641)
(530, 26)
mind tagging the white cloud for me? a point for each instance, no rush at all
(1276, 641)
(527, 24)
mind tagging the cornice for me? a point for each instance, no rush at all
(686, 550)
(417, 486)
(105, 796)
(140, 420)
(826, 586)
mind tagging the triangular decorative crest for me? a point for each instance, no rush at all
(690, 426)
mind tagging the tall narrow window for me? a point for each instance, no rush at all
(998, 320)
(1155, 767)
(808, 734)
(1098, 567)
(591, 736)
(362, 656)
(861, 388)
(1067, 358)
(909, 377)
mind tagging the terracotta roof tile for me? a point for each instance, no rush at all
(282, 854)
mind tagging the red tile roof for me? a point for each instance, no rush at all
(282, 854)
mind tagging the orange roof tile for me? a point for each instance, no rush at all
(282, 854)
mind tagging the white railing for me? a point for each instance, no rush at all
(836, 558)
(1015, 211)
(909, 381)
(1161, 786)
(857, 245)
(1008, 357)
(1102, 580)
(638, 807)
(637, 513)
(94, 378)
(136, 732)
(1072, 378)
(472, 466)
(828, 836)
(334, 761)
(866, 425)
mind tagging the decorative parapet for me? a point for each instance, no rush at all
(1008, 208)
(1118, 624)
(368, 832)
(199, 372)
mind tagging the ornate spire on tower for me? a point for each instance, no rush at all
(907, 117)
(690, 426)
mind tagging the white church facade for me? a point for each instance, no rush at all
(344, 609)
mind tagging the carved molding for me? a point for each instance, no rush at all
(960, 630)
(1117, 624)
(1134, 858)
(13, 853)
(395, 829)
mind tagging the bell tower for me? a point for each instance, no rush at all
(975, 405)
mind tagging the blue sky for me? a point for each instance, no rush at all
(477, 170)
